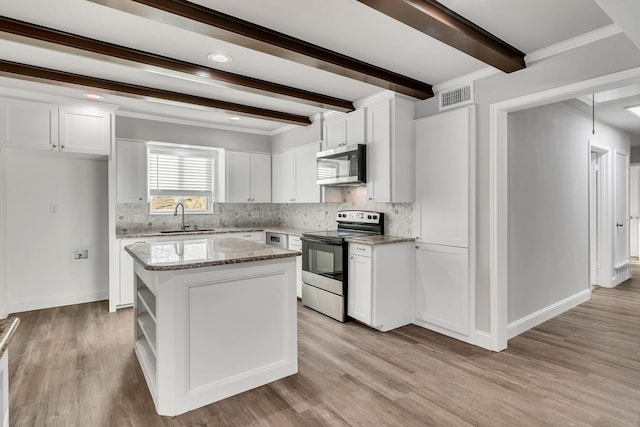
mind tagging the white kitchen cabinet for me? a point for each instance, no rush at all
(295, 244)
(126, 288)
(85, 129)
(4, 389)
(253, 236)
(131, 171)
(442, 286)
(78, 128)
(345, 129)
(28, 124)
(444, 145)
(294, 175)
(390, 151)
(248, 177)
(380, 284)
(360, 285)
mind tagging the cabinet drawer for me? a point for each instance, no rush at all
(257, 236)
(358, 249)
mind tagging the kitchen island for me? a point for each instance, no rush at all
(213, 318)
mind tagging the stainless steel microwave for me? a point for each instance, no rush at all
(342, 166)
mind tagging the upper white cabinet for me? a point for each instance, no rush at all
(28, 124)
(77, 128)
(390, 150)
(294, 175)
(131, 171)
(443, 144)
(248, 177)
(85, 129)
(345, 129)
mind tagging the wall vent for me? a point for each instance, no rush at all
(457, 97)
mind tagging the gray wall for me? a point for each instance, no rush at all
(601, 58)
(299, 135)
(548, 204)
(151, 130)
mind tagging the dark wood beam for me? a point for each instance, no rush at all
(133, 57)
(199, 19)
(442, 23)
(47, 75)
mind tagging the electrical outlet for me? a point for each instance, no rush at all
(53, 209)
(80, 254)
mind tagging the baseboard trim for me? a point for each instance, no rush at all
(57, 301)
(477, 337)
(540, 316)
(4, 312)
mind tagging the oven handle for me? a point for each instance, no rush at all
(324, 242)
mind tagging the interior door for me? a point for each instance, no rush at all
(593, 219)
(622, 209)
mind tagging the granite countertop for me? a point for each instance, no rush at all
(7, 329)
(167, 255)
(379, 239)
(219, 230)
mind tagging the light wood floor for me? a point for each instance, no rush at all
(74, 366)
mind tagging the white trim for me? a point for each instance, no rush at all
(282, 129)
(40, 303)
(498, 226)
(542, 315)
(573, 43)
(372, 99)
(177, 121)
(483, 339)
(536, 55)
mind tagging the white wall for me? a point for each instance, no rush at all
(296, 136)
(601, 58)
(548, 197)
(38, 244)
(151, 130)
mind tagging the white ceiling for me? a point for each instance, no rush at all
(345, 26)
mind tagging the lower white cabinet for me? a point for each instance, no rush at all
(126, 288)
(442, 286)
(295, 244)
(253, 236)
(380, 284)
(4, 389)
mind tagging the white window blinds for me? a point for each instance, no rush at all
(178, 171)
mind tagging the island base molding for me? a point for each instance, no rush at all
(205, 334)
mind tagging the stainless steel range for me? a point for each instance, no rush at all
(324, 261)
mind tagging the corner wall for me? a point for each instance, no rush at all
(54, 204)
(597, 59)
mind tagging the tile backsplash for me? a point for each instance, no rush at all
(134, 217)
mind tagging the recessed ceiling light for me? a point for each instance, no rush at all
(93, 96)
(635, 110)
(220, 57)
(234, 118)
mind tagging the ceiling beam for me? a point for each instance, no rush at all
(47, 75)
(193, 17)
(50, 38)
(443, 24)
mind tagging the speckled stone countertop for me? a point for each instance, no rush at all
(220, 230)
(7, 329)
(379, 239)
(167, 255)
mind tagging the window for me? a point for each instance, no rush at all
(181, 174)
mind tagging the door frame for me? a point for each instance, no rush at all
(498, 188)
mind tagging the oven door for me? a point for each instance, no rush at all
(322, 264)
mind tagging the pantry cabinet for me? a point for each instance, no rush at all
(380, 284)
(345, 129)
(131, 171)
(294, 175)
(390, 150)
(74, 128)
(248, 177)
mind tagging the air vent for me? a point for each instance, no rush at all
(457, 97)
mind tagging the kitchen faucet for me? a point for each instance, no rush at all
(175, 213)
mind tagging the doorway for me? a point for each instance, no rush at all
(593, 219)
(634, 212)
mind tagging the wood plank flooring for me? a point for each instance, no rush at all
(74, 366)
